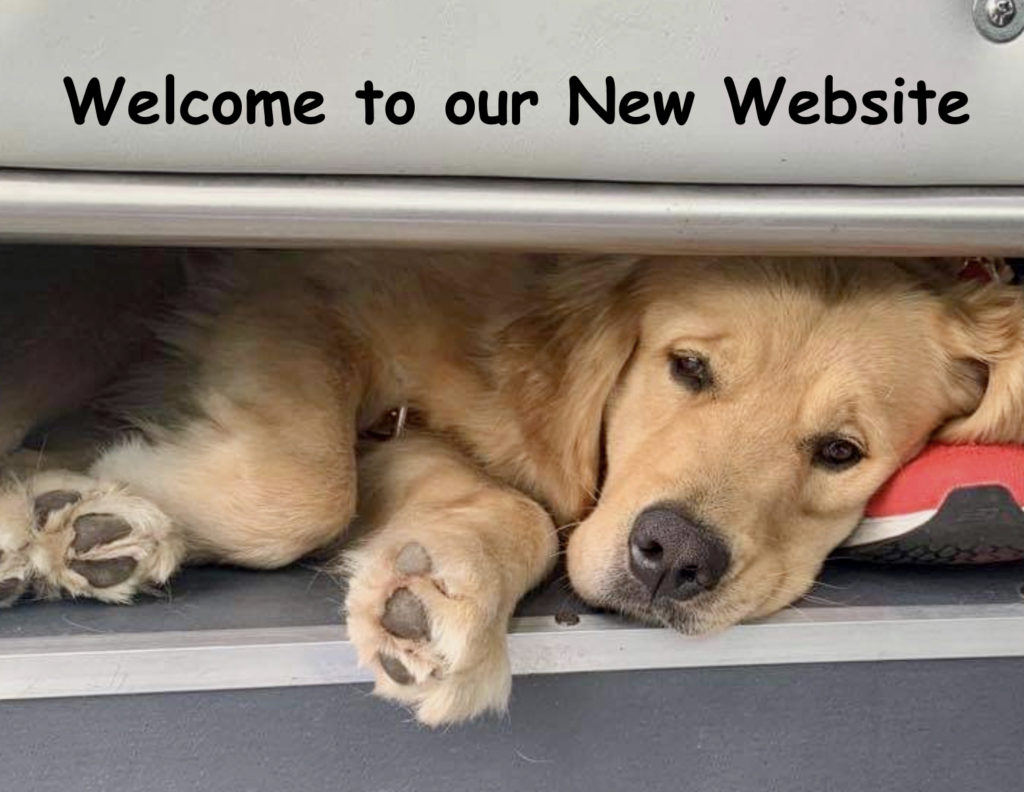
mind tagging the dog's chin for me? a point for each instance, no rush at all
(697, 616)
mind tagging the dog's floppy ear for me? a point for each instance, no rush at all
(985, 338)
(560, 361)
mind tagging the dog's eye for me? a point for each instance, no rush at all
(837, 453)
(691, 370)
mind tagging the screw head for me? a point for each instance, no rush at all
(1000, 12)
(998, 20)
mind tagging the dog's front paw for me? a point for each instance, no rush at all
(429, 617)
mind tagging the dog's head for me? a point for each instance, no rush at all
(746, 410)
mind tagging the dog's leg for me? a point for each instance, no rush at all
(242, 491)
(65, 533)
(432, 587)
(250, 437)
(258, 482)
(245, 455)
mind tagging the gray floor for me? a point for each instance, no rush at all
(853, 727)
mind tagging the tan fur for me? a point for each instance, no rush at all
(535, 375)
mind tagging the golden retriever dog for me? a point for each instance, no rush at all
(701, 432)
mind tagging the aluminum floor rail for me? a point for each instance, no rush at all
(159, 662)
(268, 211)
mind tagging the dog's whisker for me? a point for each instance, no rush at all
(832, 586)
(39, 456)
(798, 611)
(820, 600)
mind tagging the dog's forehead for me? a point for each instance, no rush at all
(775, 318)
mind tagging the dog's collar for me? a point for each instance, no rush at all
(389, 426)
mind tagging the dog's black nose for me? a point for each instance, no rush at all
(673, 556)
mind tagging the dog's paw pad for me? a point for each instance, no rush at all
(395, 669)
(413, 559)
(94, 539)
(111, 545)
(405, 616)
(104, 574)
(92, 530)
(52, 501)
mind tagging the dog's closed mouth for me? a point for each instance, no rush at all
(626, 595)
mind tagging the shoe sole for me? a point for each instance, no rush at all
(973, 525)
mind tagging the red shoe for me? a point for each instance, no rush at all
(951, 505)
